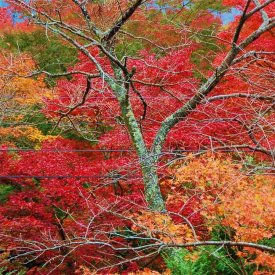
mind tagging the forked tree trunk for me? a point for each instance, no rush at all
(148, 164)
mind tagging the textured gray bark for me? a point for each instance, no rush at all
(148, 166)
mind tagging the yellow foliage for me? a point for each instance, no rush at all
(33, 135)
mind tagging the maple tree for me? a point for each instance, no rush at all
(151, 81)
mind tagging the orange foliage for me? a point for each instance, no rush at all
(260, 259)
(249, 209)
(228, 197)
(161, 226)
(14, 85)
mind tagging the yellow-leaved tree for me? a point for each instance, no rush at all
(20, 98)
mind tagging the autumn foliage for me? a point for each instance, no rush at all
(136, 138)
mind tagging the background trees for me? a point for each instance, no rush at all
(129, 87)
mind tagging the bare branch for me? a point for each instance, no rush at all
(83, 100)
(204, 90)
(259, 8)
(241, 95)
(87, 17)
(241, 23)
(263, 13)
(227, 243)
(116, 27)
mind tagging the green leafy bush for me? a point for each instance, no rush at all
(205, 261)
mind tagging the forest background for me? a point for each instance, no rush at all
(137, 137)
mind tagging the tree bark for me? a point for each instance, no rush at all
(152, 191)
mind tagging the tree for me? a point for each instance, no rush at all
(85, 35)
(160, 98)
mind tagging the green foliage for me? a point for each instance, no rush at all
(85, 132)
(129, 48)
(3, 271)
(249, 160)
(5, 190)
(205, 53)
(221, 232)
(269, 242)
(204, 36)
(37, 118)
(59, 213)
(21, 142)
(215, 5)
(49, 52)
(193, 5)
(208, 261)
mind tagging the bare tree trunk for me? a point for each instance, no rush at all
(147, 162)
